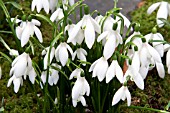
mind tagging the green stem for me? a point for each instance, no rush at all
(98, 85)
(145, 108)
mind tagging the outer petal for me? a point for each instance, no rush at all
(10, 80)
(111, 72)
(63, 55)
(128, 95)
(102, 36)
(168, 58)
(162, 13)
(32, 75)
(38, 33)
(139, 81)
(153, 7)
(17, 83)
(119, 72)
(75, 73)
(83, 101)
(118, 96)
(89, 34)
(109, 47)
(94, 64)
(95, 25)
(45, 4)
(160, 69)
(54, 15)
(71, 2)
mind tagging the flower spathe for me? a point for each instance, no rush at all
(61, 53)
(122, 94)
(27, 29)
(163, 11)
(89, 26)
(99, 68)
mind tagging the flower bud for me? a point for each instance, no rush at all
(154, 30)
(82, 74)
(29, 18)
(23, 18)
(115, 26)
(143, 40)
(136, 48)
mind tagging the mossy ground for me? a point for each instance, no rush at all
(155, 95)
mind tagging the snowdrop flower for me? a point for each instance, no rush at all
(112, 39)
(89, 26)
(157, 45)
(57, 15)
(81, 54)
(122, 93)
(61, 53)
(148, 55)
(133, 71)
(40, 4)
(80, 88)
(99, 68)
(27, 29)
(17, 81)
(113, 70)
(53, 75)
(76, 73)
(22, 66)
(163, 11)
(46, 52)
(78, 38)
(53, 4)
(168, 60)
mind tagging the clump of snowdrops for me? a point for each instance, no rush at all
(90, 63)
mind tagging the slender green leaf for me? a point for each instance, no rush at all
(16, 5)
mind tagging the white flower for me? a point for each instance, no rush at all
(61, 53)
(122, 93)
(53, 4)
(76, 73)
(80, 88)
(113, 70)
(164, 10)
(111, 40)
(168, 61)
(89, 26)
(157, 45)
(22, 66)
(17, 81)
(78, 38)
(27, 29)
(53, 75)
(99, 68)
(40, 4)
(66, 3)
(133, 71)
(46, 52)
(81, 54)
(57, 15)
(148, 55)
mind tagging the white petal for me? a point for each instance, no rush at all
(144, 71)
(54, 15)
(128, 95)
(109, 47)
(74, 102)
(43, 77)
(117, 96)
(95, 25)
(94, 64)
(19, 31)
(162, 13)
(111, 72)
(63, 55)
(89, 34)
(83, 101)
(38, 33)
(69, 49)
(139, 81)
(75, 73)
(160, 69)
(119, 73)
(153, 7)
(102, 36)
(33, 5)
(71, 2)
(32, 75)
(16, 83)
(74, 55)
(10, 80)
(45, 4)
(168, 58)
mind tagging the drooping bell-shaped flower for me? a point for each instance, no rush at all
(22, 66)
(99, 68)
(27, 29)
(57, 15)
(39, 4)
(114, 69)
(61, 53)
(17, 81)
(80, 88)
(122, 94)
(81, 54)
(89, 26)
(163, 11)
(133, 71)
(53, 75)
(111, 40)
(150, 56)
(46, 52)
(157, 45)
(78, 38)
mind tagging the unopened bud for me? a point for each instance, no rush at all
(154, 30)
(86, 9)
